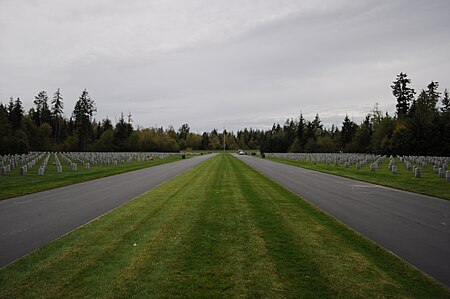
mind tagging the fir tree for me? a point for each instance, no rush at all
(402, 93)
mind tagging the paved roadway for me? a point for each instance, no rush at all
(413, 226)
(31, 221)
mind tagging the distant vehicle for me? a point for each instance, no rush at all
(241, 152)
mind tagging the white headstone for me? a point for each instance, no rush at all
(417, 172)
(394, 169)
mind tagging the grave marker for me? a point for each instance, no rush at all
(394, 169)
(417, 172)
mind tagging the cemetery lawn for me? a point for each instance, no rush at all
(13, 184)
(220, 229)
(428, 184)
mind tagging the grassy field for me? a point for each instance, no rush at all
(218, 230)
(14, 185)
(428, 184)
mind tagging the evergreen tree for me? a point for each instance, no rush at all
(42, 112)
(107, 124)
(317, 125)
(122, 132)
(57, 112)
(402, 93)
(5, 131)
(445, 102)
(183, 132)
(205, 141)
(289, 132)
(381, 136)
(16, 114)
(421, 124)
(347, 132)
(433, 97)
(301, 132)
(82, 113)
(361, 141)
(10, 110)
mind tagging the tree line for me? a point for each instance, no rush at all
(420, 126)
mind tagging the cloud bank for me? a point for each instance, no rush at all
(216, 64)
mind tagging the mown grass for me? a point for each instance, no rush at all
(14, 184)
(428, 184)
(218, 230)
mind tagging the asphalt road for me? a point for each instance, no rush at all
(31, 221)
(414, 227)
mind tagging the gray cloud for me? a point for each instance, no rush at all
(225, 64)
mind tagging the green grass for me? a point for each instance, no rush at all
(13, 184)
(218, 230)
(428, 184)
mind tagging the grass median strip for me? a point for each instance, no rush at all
(428, 184)
(219, 230)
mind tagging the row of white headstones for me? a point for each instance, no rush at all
(412, 163)
(25, 162)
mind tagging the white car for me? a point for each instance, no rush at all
(241, 152)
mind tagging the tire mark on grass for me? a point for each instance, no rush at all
(350, 265)
(141, 275)
(219, 256)
(295, 265)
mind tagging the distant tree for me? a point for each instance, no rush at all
(311, 145)
(170, 132)
(57, 112)
(381, 136)
(41, 112)
(122, 132)
(363, 134)
(183, 131)
(105, 142)
(445, 101)
(57, 104)
(5, 131)
(441, 135)
(107, 124)
(376, 115)
(289, 130)
(147, 142)
(16, 114)
(296, 147)
(325, 144)
(205, 141)
(421, 125)
(214, 140)
(347, 132)
(301, 133)
(44, 133)
(317, 125)
(309, 132)
(400, 141)
(402, 93)
(10, 108)
(430, 101)
(82, 113)
(336, 136)
(243, 138)
(16, 139)
(194, 141)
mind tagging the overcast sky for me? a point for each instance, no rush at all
(228, 63)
